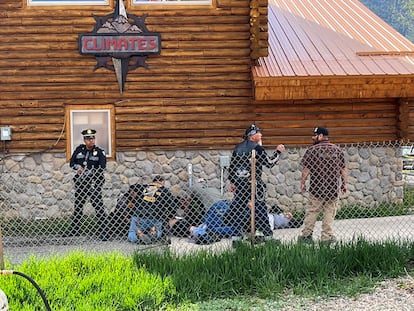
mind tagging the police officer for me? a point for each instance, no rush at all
(240, 179)
(89, 162)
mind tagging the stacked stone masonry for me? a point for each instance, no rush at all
(37, 186)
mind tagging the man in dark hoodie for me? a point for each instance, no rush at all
(240, 178)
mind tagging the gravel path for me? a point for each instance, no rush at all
(390, 295)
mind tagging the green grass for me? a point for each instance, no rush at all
(241, 278)
(85, 282)
(315, 269)
(408, 197)
(381, 210)
(44, 227)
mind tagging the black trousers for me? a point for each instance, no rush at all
(239, 214)
(83, 192)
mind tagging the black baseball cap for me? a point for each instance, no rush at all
(321, 130)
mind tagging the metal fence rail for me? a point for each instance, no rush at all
(378, 205)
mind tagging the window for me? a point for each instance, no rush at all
(172, 2)
(99, 118)
(67, 2)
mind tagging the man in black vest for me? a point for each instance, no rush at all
(240, 179)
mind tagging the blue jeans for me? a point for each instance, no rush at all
(145, 225)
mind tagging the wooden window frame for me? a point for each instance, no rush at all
(73, 132)
(172, 3)
(49, 3)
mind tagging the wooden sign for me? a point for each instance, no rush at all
(118, 44)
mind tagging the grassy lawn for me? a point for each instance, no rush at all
(240, 278)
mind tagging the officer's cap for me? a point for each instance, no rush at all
(88, 133)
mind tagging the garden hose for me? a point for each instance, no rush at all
(39, 290)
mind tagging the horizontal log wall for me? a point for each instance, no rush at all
(348, 121)
(409, 119)
(196, 95)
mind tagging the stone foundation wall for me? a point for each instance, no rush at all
(40, 185)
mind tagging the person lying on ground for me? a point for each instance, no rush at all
(280, 219)
(212, 229)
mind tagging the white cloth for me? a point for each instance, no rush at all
(278, 221)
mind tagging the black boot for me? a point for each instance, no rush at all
(73, 229)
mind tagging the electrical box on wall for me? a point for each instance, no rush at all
(224, 161)
(5, 133)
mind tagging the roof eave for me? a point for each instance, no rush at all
(333, 87)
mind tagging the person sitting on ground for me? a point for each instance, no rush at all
(155, 207)
(120, 218)
(279, 219)
(190, 212)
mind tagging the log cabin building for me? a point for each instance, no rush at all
(287, 66)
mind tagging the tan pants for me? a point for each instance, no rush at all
(315, 206)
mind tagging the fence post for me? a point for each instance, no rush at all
(253, 197)
(1, 250)
(190, 174)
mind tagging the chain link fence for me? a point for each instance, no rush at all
(60, 215)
